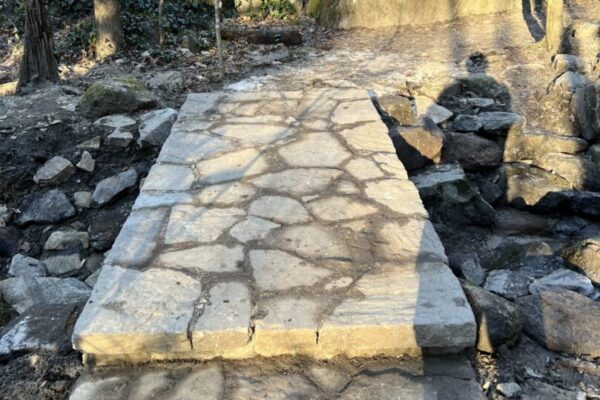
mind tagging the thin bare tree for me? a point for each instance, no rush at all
(38, 63)
(219, 39)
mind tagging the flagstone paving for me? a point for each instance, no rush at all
(273, 224)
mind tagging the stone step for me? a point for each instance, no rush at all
(275, 223)
(448, 378)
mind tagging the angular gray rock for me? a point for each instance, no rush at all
(82, 199)
(64, 239)
(116, 96)
(116, 121)
(499, 322)
(43, 328)
(47, 207)
(110, 187)
(498, 122)
(585, 106)
(572, 201)
(54, 171)
(63, 264)
(509, 389)
(467, 123)
(24, 292)
(155, 126)
(119, 138)
(508, 284)
(419, 145)
(472, 152)
(87, 162)
(171, 81)
(467, 265)
(449, 196)
(428, 108)
(585, 255)
(21, 265)
(563, 279)
(562, 320)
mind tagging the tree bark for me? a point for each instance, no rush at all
(108, 24)
(218, 36)
(38, 63)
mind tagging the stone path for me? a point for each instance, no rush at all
(451, 377)
(275, 223)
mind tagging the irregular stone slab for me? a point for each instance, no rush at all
(410, 239)
(523, 145)
(25, 291)
(138, 238)
(248, 134)
(420, 145)
(132, 311)
(354, 112)
(509, 284)
(399, 108)
(279, 209)
(529, 185)
(391, 164)
(340, 208)
(212, 258)
(226, 194)
(107, 189)
(189, 148)
(224, 325)
(54, 171)
(288, 327)
(369, 137)
(48, 207)
(562, 320)
(273, 387)
(252, 228)
(231, 166)
(162, 199)
(298, 181)
(169, 177)
(400, 310)
(364, 169)
(198, 224)
(387, 192)
(312, 241)
(278, 270)
(21, 265)
(308, 152)
(42, 329)
(581, 173)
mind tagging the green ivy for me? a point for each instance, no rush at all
(279, 9)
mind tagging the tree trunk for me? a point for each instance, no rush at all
(219, 40)
(38, 64)
(161, 32)
(555, 26)
(108, 24)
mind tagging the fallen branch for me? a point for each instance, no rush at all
(287, 36)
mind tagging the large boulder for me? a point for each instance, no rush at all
(472, 152)
(527, 185)
(526, 145)
(585, 255)
(116, 96)
(419, 145)
(450, 197)
(584, 39)
(499, 322)
(581, 173)
(562, 320)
